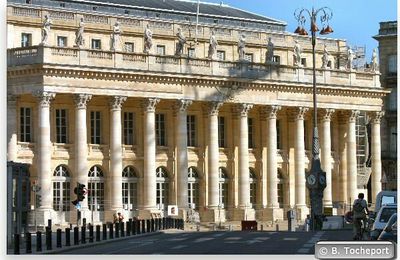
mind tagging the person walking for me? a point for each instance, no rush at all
(360, 212)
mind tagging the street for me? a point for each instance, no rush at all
(216, 242)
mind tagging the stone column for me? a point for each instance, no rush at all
(376, 166)
(244, 177)
(149, 157)
(272, 165)
(300, 164)
(326, 162)
(182, 153)
(81, 144)
(116, 152)
(213, 156)
(342, 120)
(12, 122)
(44, 151)
(352, 157)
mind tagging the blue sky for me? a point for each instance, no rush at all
(353, 20)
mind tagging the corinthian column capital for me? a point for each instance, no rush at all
(44, 97)
(116, 102)
(182, 105)
(149, 104)
(81, 100)
(243, 109)
(270, 112)
(326, 114)
(353, 114)
(376, 116)
(212, 108)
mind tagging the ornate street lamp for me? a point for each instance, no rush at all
(315, 178)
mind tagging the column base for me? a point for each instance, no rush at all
(301, 212)
(149, 213)
(213, 215)
(270, 214)
(243, 214)
(42, 216)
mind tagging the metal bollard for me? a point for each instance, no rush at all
(131, 226)
(104, 231)
(143, 226)
(58, 243)
(148, 225)
(38, 241)
(198, 227)
(97, 233)
(48, 239)
(122, 228)
(117, 230)
(68, 237)
(277, 227)
(83, 235)
(152, 223)
(111, 227)
(128, 228)
(164, 223)
(160, 224)
(91, 236)
(28, 243)
(76, 236)
(134, 227)
(16, 244)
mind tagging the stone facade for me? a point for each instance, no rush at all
(101, 115)
(387, 39)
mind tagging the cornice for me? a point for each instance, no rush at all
(198, 80)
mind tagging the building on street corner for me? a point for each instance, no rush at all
(148, 109)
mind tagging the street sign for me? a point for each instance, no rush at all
(78, 206)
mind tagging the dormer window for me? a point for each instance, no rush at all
(62, 4)
(28, 2)
(126, 11)
(243, 24)
(157, 15)
(94, 8)
(215, 20)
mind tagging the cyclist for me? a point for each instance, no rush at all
(360, 212)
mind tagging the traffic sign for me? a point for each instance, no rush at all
(36, 188)
(78, 206)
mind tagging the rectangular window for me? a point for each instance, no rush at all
(276, 59)
(191, 130)
(304, 62)
(220, 55)
(248, 57)
(278, 135)
(96, 44)
(66, 200)
(129, 47)
(129, 195)
(223, 194)
(161, 49)
(56, 195)
(61, 126)
(250, 132)
(26, 39)
(95, 127)
(96, 196)
(160, 130)
(221, 131)
(191, 53)
(25, 124)
(253, 196)
(393, 141)
(392, 64)
(280, 195)
(61, 41)
(129, 120)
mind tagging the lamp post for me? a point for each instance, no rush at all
(316, 177)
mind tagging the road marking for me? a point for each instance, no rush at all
(218, 235)
(233, 238)
(179, 247)
(303, 250)
(177, 239)
(308, 245)
(202, 239)
(262, 238)
(290, 238)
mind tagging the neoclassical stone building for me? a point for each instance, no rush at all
(109, 95)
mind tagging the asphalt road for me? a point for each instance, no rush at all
(216, 242)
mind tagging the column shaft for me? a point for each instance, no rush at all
(299, 160)
(12, 121)
(326, 157)
(376, 166)
(352, 158)
(272, 166)
(244, 177)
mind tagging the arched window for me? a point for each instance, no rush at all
(280, 188)
(61, 189)
(129, 188)
(253, 187)
(96, 188)
(223, 187)
(193, 188)
(162, 187)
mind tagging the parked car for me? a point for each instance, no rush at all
(383, 198)
(389, 232)
(381, 219)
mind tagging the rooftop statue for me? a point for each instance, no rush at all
(212, 48)
(374, 61)
(116, 37)
(79, 40)
(270, 51)
(241, 47)
(148, 39)
(46, 30)
(297, 53)
(181, 42)
(350, 58)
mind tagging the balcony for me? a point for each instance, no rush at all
(141, 63)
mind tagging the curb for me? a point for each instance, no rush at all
(87, 244)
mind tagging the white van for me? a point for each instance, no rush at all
(385, 197)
